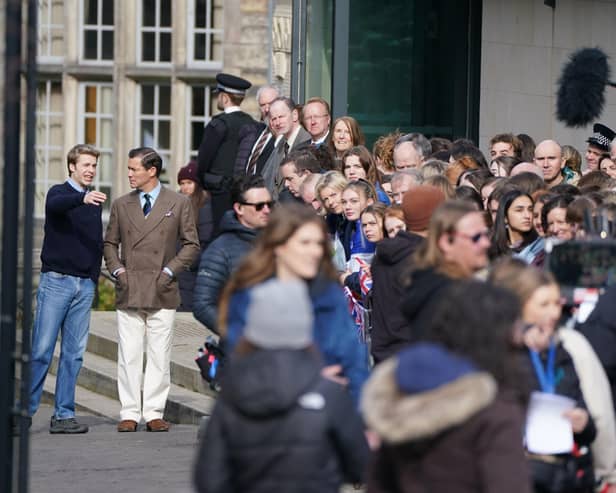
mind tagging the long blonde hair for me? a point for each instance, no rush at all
(260, 262)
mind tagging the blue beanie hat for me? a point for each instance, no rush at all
(426, 366)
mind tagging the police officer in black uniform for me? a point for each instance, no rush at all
(226, 138)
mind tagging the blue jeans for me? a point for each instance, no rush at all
(63, 305)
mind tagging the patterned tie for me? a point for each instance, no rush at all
(252, 163)
(147, 207)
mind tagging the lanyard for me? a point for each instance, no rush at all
(546, 377)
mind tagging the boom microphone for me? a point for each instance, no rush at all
(580, 96)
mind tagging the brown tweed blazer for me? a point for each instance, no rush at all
(144, 246)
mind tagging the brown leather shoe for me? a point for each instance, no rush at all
(157, 425)
(127, 425)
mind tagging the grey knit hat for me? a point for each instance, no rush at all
(280, 315)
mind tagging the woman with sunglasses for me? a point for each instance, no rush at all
(513, 232)
(294, 245)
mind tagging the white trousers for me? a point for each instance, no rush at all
(152, 329)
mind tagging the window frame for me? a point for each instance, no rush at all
(45, 182)
(192, 154)
(209, 31)
(157, 30)
(99, 28)
(82, 114)
(45, 30)
(155, 117)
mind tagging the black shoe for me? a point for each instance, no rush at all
(66, 426)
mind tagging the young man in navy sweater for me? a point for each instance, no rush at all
(71, 263)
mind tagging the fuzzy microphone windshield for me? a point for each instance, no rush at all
(582, 83)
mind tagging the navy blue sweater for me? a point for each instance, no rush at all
(73, 241)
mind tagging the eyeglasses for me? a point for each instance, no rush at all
(476, 238)
(259, 205)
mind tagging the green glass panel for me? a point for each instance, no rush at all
(319, 48)
(408, 66)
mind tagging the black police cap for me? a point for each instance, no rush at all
(602, 136)
(231, 84)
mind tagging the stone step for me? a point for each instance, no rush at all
(189, 399)
(98, 375)
(85, 400)
(188, 335)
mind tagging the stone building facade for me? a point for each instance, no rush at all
(120, 74)
(523, 49)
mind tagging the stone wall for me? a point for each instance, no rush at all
(524, 47)
(247, 44)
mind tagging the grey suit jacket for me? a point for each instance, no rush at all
(144, 246)
(271, 170)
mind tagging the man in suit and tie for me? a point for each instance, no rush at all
(264, 145)
(290, 136)
(141, 251)
(317, 119)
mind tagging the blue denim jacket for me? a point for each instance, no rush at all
(335, 334)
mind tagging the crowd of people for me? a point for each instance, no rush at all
(386, 313)
(442, 249)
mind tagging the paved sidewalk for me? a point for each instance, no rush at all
(105, 461)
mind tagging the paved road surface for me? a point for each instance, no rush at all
(105, 461)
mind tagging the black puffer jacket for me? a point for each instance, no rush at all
(217, 264)
(421, 297)
(278, 426)
(390, 329)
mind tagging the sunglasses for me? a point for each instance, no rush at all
(476, 238)
(259, 205)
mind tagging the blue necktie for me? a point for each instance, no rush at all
(147, 207)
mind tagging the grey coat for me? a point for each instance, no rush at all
(271, 170)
